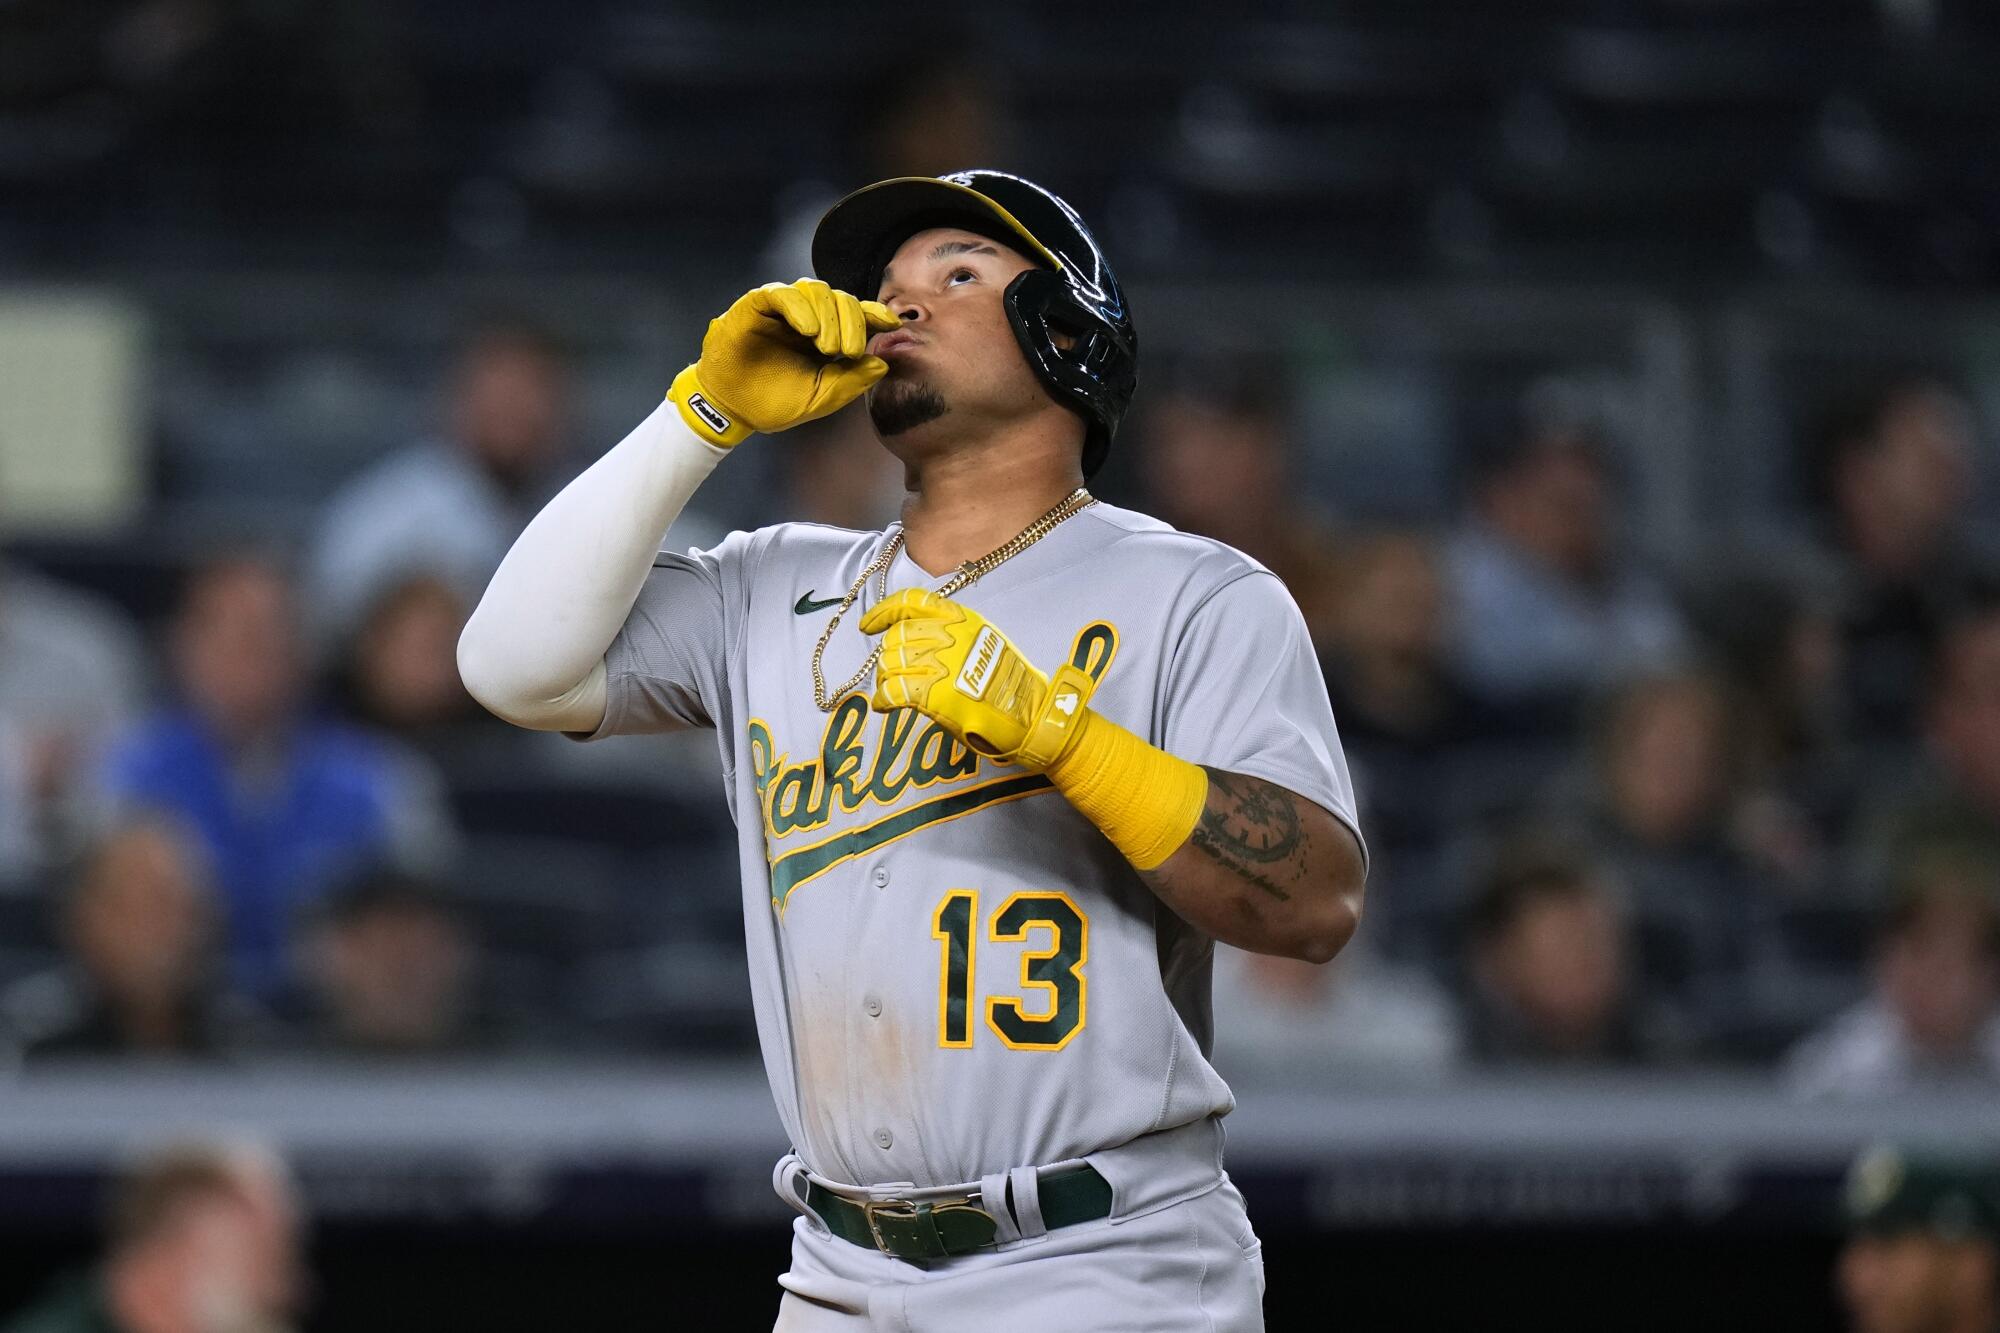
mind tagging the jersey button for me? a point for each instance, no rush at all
(884, 1139)
(881, 877)
(872, 1007)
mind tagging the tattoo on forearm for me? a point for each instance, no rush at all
(1254, 829)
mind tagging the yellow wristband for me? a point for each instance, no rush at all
(704, 416)
(1142, 798)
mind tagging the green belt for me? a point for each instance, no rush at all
(913, 1230)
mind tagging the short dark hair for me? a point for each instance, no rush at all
(1255, 386)
(1848, 420)
(1499, 440)
(380, 890)
(1529, 870)
(229, 558)
(83, 871)
(149, 1197)
(1609, 714)
(502, 327)
(1944, 871)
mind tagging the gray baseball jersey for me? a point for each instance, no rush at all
(954, 972)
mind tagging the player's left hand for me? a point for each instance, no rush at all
(949, 663)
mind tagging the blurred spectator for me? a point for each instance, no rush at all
(138, 924)
(71, 671)
(838, 473)
(1543, 603)
(1385, 647)
(282, 800)
(1400, 712)
(391, 970)
(939, 115)
(1778, 639)
(452, 506)
(202, 1239)
(1933, 1013)
(398, 674)
(1893, 467)
(1657, 814)
(1549, 973)
(1219, 462)
(1923, 1250)
(1356, 1015)
(1955, 794)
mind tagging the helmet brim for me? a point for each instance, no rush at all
(856, 238)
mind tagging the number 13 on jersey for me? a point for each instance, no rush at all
(1053, 974)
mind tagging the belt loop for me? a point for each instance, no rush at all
(1026, 1196)
(993, 1198)
(789, 1180)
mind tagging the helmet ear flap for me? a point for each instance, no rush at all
(1029, 299)
(1076, 358)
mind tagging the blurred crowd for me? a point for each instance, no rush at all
(245, 842)
(1742, 810)
(1746, 810)
(1638, 798)
(1742, 807)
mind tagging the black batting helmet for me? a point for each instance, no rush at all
(1072, 293)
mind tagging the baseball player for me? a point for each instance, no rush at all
(1923, 1246)
(1001, 773)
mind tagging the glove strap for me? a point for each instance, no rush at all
(704, 416)
(1059, 720)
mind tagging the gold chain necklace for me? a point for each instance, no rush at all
(968, 574)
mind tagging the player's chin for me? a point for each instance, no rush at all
(897, 404)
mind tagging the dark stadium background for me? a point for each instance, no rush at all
(1398, 236)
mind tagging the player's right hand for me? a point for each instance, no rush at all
(782, 355)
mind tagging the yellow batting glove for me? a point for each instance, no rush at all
(949, 663)
(782, 355)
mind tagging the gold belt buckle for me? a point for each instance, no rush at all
(906, 1210)
(901, 1210)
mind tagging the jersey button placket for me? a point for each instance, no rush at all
(880, 877)
(884, 1140)
(871, 1005)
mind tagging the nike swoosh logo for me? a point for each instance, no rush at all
(805, 606)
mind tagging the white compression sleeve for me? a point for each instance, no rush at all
(533, 651)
